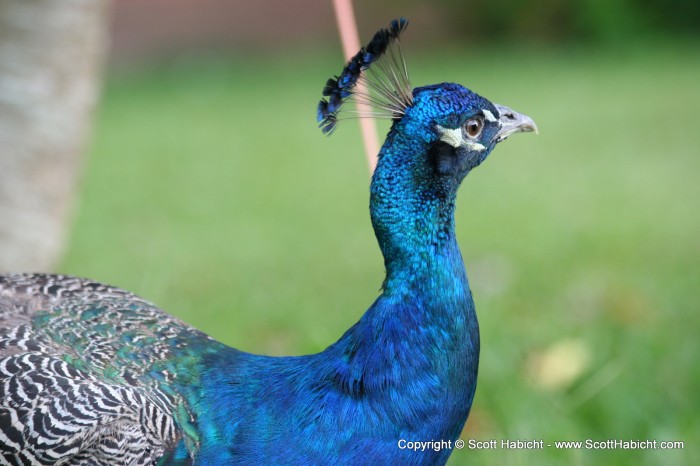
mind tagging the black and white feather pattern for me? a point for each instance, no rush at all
(71, 390)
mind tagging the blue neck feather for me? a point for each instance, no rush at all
(406, 370)
(419, 343)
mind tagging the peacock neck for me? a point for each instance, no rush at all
(422, 331)
(413, 222)
(424, 268)
(420, 249)
(407, 368)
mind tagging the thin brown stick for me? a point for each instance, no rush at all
(351, 44)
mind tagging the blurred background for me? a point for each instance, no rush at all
(170, 147)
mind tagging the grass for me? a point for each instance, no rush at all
(210, 191)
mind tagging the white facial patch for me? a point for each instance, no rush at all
(489, 116)
(452, 137)
(455, 138)
(474, 145)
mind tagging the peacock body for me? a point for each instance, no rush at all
(93, 375)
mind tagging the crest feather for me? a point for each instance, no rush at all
(381, 66)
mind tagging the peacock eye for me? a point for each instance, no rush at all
(473, 127)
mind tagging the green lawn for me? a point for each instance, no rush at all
(210, 191)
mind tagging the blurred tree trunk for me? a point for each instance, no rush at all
(51, 52)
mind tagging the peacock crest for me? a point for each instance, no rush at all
(376, 76)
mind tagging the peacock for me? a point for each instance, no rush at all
(91, 374)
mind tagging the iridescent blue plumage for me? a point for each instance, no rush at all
(91, 374)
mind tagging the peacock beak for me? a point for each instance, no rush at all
(513, 122)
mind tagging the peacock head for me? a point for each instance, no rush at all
(439, 132)
(454, 129)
